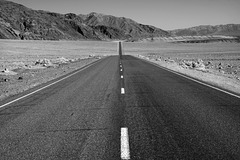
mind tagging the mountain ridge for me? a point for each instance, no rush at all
(20, 22)
(206, 30)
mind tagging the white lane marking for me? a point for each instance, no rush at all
(44, 87)
(205, 84)
(121, 66)
(125, 152)
(122, 91)
(121, 76)
(121, 70)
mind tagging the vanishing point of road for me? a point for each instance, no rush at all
(120, 107)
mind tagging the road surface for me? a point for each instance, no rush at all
(121, 109)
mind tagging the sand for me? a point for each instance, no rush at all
(212, 75)
(28, 77)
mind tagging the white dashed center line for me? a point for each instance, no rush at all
(121, 70)
(125, 152)
(121, 76)
(122, 91)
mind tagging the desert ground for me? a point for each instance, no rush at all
(25, 64)
(215, 63)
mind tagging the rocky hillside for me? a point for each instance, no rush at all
(20, 22)
(206, 30)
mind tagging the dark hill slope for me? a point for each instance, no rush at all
(120, 26)
(20, 22)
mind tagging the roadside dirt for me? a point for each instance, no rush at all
(223, 73)
(18, 77)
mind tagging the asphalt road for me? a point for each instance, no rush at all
(80, 117)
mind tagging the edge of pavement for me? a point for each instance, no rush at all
(189, 77)
(14, 98)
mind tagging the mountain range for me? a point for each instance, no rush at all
(20, 22)
(206, 30)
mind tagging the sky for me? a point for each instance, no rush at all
(164, 14)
